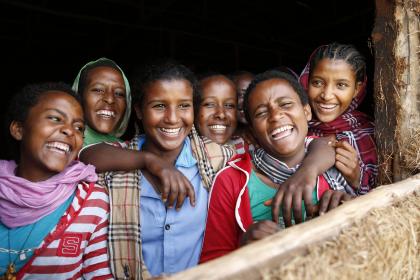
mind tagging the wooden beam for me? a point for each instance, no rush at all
(396, 39)
(248, 262)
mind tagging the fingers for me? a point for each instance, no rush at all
(325, 201)
(268, 202)
(297, 207)
(309, 206)
(331, 199)
(275, 205)
(335, 200)
(261, 230)
(181, 189)
(287, 209)
(166, 187)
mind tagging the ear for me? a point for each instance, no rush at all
(307, 111)
(357, 89)
(139, 113)
(16, 130)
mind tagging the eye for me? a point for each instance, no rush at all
(184, 105)
(54, 118)
(80, 127)
(209, 105)
(120, 94)
(261, 114)
(316, 83)
(159, 106)
(342, 85)
(98, 90)
(230, 106)
(287, 104)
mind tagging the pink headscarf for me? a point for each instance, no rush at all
(355, 127)
(23, 202)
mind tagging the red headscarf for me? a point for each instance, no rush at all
(355, 127)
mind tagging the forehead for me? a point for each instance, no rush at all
(169, 90)
(336, 67)
(218, 85)
(57, 100)
(103, 71)
(271, 89)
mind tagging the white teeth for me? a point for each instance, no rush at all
(327, 106)
(218, 127)
(106, 113)
(170, 131)
(59, 146)
(281, 129)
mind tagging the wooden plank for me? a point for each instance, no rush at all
(249, 261)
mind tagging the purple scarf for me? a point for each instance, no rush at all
(23, 202)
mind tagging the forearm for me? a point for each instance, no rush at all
(320, 156)
(106, 157)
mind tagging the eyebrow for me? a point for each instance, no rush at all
(260, 106)
(64, 114)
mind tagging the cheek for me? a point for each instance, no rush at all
(89, 101)
(188, 117)
(122, 104)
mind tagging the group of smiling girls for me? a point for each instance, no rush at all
(194, 185)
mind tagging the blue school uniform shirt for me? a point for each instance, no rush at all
(172, 240)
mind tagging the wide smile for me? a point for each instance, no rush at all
(281, 132)
(106, 114)
(218, 128)
(170, 132)
(59, 147)
(326, 107)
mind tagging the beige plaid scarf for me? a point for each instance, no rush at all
(124, 234)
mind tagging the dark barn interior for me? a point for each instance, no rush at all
(50, 40)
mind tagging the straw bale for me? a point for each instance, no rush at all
(383, 245)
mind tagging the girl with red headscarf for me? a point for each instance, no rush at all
(335, 79)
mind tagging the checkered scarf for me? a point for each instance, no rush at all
(124, 233)
(279, 172)
(354, 127)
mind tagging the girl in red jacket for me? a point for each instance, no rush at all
(278, 112)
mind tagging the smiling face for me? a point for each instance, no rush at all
(217, 119)
(331, 89)
(242, 82)
(51, 136)
(279, 120)
(167, 116)
(104, 99)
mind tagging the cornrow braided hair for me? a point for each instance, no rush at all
(348, 53)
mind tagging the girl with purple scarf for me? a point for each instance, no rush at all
(53, 217)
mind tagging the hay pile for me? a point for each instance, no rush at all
(383, 245)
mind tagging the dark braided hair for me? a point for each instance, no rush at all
(336, 51)
(273, 74)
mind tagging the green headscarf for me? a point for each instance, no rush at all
(92, 136)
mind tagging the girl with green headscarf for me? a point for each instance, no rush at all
(106, 100)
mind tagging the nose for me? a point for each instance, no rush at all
(220, 112)
(327, 92)
(275, 114)
(67, 130)
(171, 115)
(108, 97)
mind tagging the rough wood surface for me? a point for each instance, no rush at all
(249, 261)
(397, 88)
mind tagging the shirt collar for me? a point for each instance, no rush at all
(185, 157)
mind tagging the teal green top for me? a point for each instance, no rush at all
(92, 137)
(27, 238)
(259, 192)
